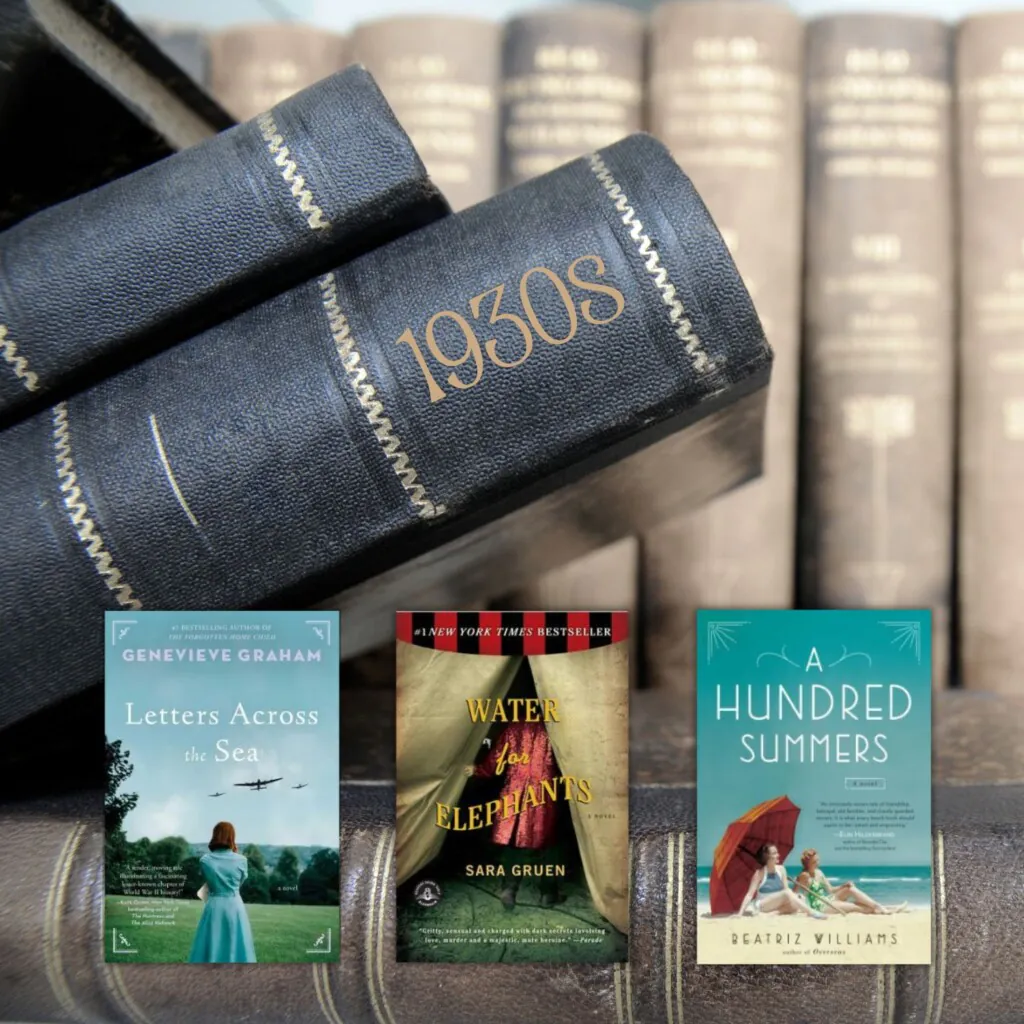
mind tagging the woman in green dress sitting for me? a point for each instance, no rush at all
(826, 898)
(223, 935)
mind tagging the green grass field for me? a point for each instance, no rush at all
(159, 931)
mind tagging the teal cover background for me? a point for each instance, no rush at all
(773, 647)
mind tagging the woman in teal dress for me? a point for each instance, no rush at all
(223, 935)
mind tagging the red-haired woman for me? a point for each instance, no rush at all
(223, 935)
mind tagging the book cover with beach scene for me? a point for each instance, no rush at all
(221, 806)
(814, 787)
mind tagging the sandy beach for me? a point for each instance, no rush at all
(903, 938)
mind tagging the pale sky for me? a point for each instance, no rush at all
(343, 14)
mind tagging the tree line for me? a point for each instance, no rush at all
(286, 882)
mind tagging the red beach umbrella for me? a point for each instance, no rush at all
(735, 859)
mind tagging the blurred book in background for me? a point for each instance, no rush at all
(990, 71)
(725, 96)
(252, 67)
(879, 369)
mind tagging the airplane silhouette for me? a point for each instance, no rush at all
(216, 794)
(301, 785)
(259, 783)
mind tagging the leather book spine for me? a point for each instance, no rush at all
(726, 97)
(878, 465)
(186, 46)
(990, 86)
(572, 82)
(255, 67)
(441, 76)
(91, 98)
(357, 421)
(172, 249)
(54, 969)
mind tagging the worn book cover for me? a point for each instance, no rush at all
(814, 787)
(512, 837)
(221, 806)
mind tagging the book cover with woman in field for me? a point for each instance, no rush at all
(221, 807)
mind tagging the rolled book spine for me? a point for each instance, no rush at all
(55, 969)
(164, 253)
(372, 414)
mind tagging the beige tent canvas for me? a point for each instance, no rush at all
(512, 818)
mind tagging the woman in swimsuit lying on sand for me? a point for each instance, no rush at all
(826, 898)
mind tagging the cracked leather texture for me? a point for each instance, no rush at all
(162, 254)
(240, 467)
(51, 949)
(57, 860)
(78, 133)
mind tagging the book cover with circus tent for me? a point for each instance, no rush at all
(814, 787)
(221, 806)
(512, 831)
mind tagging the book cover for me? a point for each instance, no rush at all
(221, 805)
(512, 837)
(814, 787)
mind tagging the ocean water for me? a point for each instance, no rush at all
(889, 885)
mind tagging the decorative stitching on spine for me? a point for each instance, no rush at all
(315, 217)
(78, 512)
(652, 260)
(17, 363)
(383, 428)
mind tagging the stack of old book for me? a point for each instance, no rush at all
(273, 367)
(265, 365)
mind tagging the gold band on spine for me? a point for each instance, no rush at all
(78, 512)
(315, 217)
(623, 994)
(652, 261)
(120, 994)
(17, 362)
(52, 956)
(679, 926)
(324, 995)
(380, 885)
(371, 404)
(671, 919)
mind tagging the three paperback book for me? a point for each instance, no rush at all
(511, 837)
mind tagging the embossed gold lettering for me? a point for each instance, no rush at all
(594, 286)
(472, 349)
(492, 345)
(563, 294)
(408, 338)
